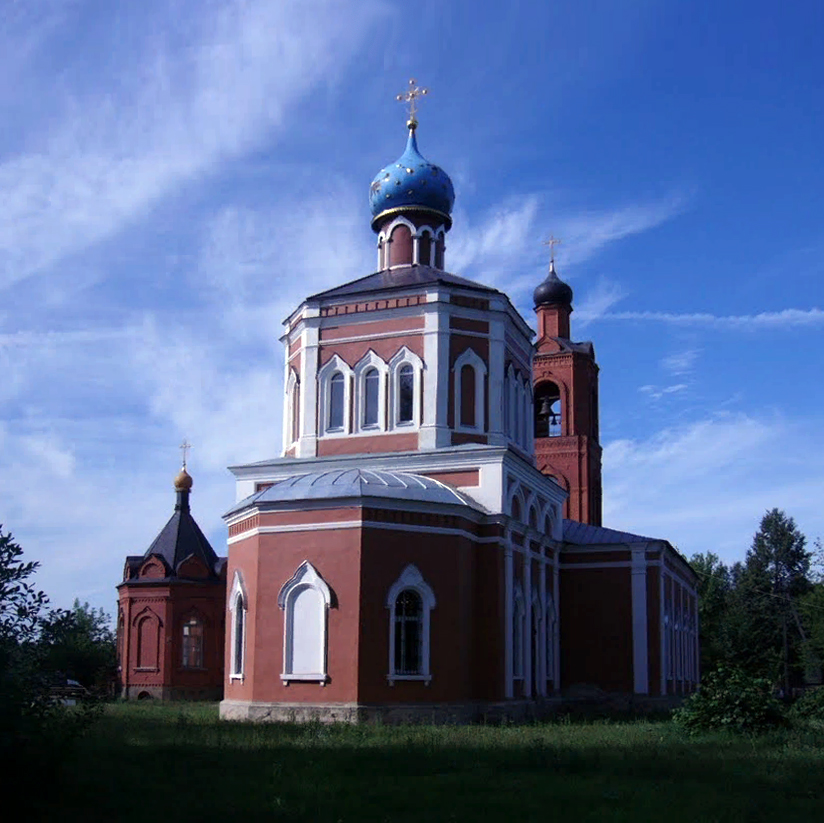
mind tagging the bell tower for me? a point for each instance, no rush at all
(565, 390)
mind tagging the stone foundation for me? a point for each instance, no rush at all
(511, 711)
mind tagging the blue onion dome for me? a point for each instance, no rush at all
(411, 183)
(553, 291)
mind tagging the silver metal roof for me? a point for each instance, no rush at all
(585, 535)
(357, 483)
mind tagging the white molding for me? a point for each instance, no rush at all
(325, 374)
(370, 361)
(305, 577)
(237, 668)
(410, 579)
(405, 357)
(469, 358)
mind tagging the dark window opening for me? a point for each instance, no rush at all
(336, 401)
(372, 382)
(193, 644)
(408, 633)
(467, 396)
(406, 394)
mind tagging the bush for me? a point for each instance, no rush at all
(810, 706)
(731, 699)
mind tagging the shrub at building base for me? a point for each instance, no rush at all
(730, 699)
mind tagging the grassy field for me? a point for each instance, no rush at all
(150, 762)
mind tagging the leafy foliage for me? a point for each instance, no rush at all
(78, 643)
(733, 700)
(810, 706)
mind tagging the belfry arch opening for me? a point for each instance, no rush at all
(548, 413)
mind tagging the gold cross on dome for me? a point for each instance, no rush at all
(184, 447)
(552, 243)
(410, 97)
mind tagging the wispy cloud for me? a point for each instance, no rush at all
(788, 318)
(117, 150)
(657, 393)
(681, 362)
(704, 485)
(598, 300)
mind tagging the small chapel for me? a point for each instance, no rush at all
(429, 544)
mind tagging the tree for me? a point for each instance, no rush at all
(79, 644)
(767, 591)
(714, 588)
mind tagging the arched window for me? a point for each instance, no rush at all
(440, 248)
(533, 517)
(468, 390)
(292, 429)
(406, 393)
(336, 392)
(548, 410)
(551, 642)
(518, 629)
(425, 248)
(406, 377)
(516, 508)
(192, 647)
(305, 600)
(372, 388)
(238, 603)
(410, 601)
(408, 632)
(400, 246)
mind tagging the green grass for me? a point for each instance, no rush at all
(151, 762)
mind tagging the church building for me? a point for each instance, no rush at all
(429, 544)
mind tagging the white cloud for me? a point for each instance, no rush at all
(705, 485)
(681, 362)
(597, 301)
(122, 146)
(788, 318)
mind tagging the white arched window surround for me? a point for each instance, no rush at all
(411, 580)
(416, 248)
(405, 357)
(305, 600)
(469, 358)
(387, 240)
(239, 610)
(325, 374)
(292, 431)
(370, 361)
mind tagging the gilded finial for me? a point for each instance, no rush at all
(410, 97)
(552, 243)
(184, 447)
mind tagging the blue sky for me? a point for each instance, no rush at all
(176, 175)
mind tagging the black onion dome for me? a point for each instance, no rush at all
(553, 291)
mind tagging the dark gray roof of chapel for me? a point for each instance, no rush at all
(585, 535)
(401, 277)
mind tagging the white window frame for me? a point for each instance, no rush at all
(470, 358)
(411, 579)
(370, 361)
(237, 668)
(416, 247)
(398, 221)
(325, 374)
(405, 357)
(292, 407)
(306, 576)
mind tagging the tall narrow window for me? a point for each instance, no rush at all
(148, 638)
(425, 248)
(518, 627)
(336, 401)
(372, 386)
(237, 607)
(295, 403)
(468, 396)
(193, 644)
(406, 394)
(408, 633)
(239, 635)
(410, 601)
